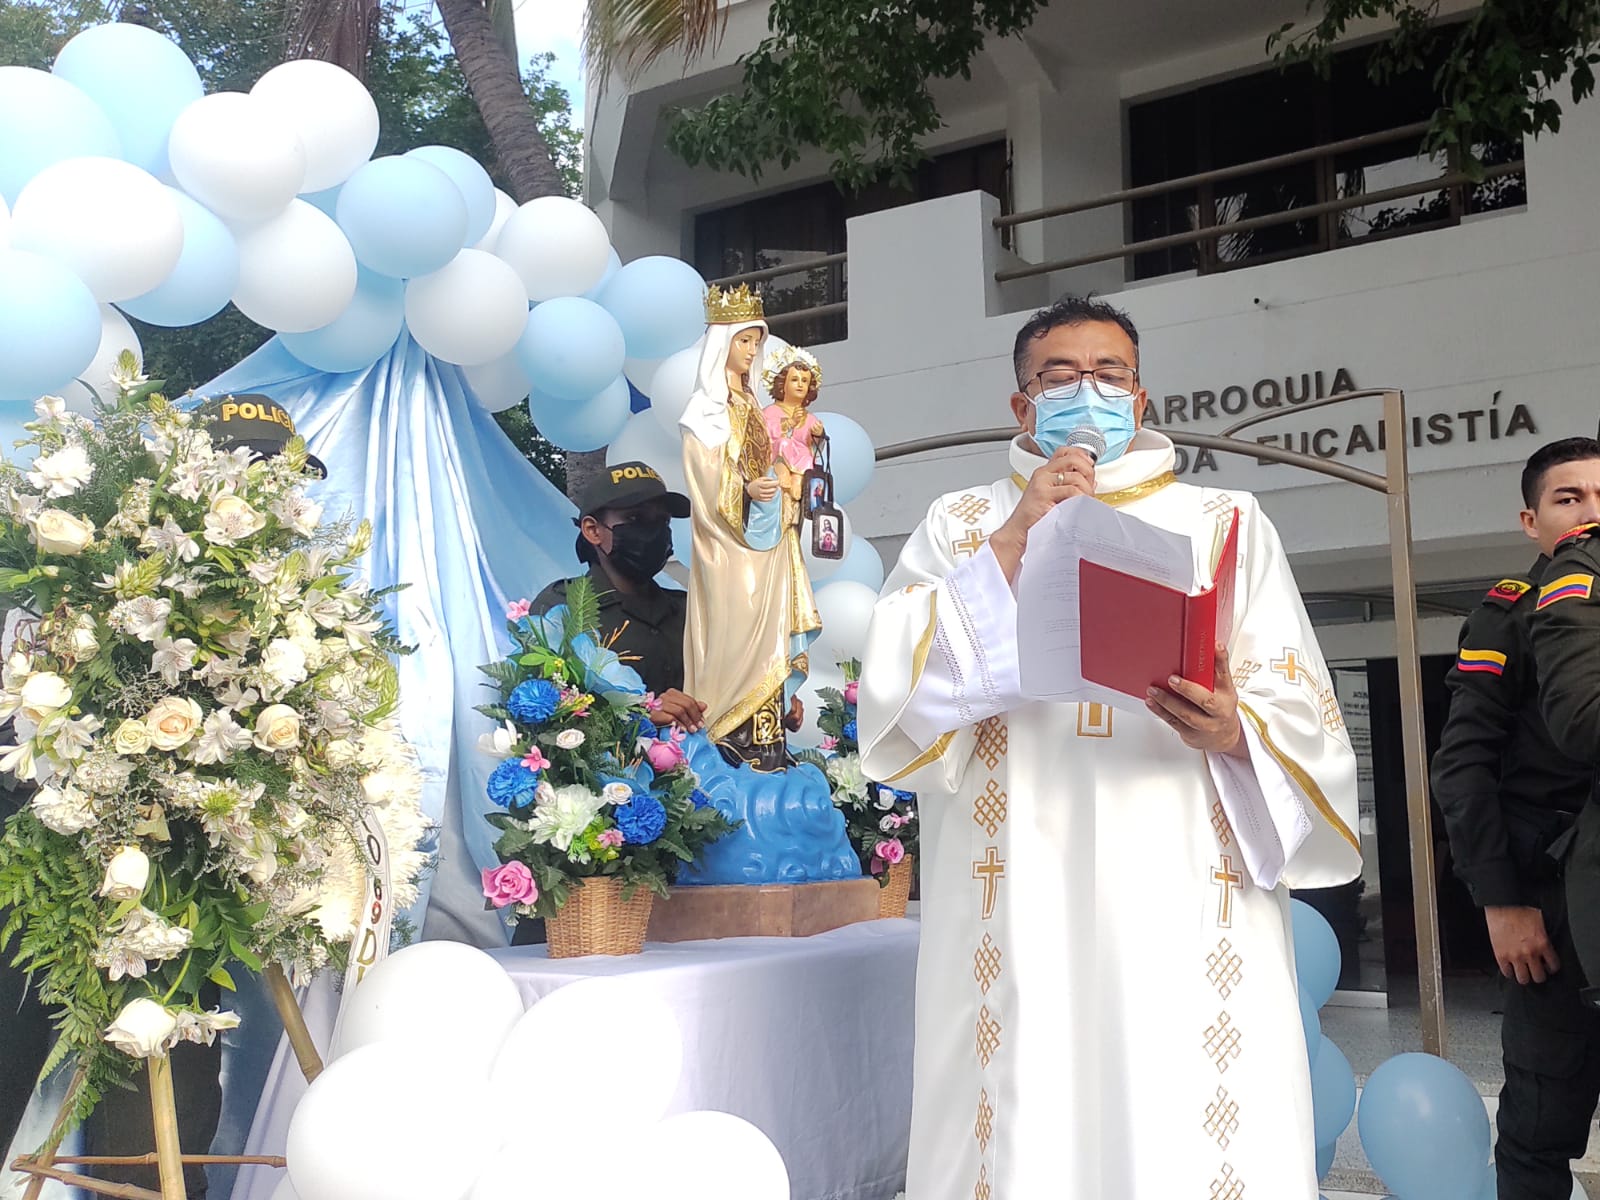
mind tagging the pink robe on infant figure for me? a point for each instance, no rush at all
(794, 447)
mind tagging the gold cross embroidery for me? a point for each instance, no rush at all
(969, 545)
(990, 870)
(1230, 881)
(1292, 669)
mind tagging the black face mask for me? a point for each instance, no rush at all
(641, 549)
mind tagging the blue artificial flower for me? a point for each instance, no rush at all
(642, 727)
(699, 799)
(512, 785)
(604, 673)
(850, 729)
(903, 797)
(534, 701)
(643, 821)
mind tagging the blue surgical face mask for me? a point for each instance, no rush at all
(1056, 415)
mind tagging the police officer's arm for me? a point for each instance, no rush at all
(1566, 643)
(1483, 683)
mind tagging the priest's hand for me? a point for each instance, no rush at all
(1070, 472)
(1521, 944)
(676, 708)
(1205, 720)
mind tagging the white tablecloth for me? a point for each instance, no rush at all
(809, 1039)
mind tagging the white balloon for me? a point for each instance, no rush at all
(511, 1176)
(643, 440)
(94, 381)
(557, 245)
(497, 385)
(556, 1040)
(671, 387)
(446, 998)
(714, 1156)
(237, 154)
(821, 569)
(331, 112)
(355, 1133)
(504, 206)
(471, 311)
(640, 371)
(846, 611)
(115, 225)
(296, 272)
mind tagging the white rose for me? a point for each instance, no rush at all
(57, 532)
(569, 739)
(230, 519)
(66, 810)
(131, 737)
(889, 824)
(277, 728)
(85, 645)
(43, 694)
(141, 1029)
(284, 663)
(617, 793)
(172, 722)
(61, 473)
(126, 874)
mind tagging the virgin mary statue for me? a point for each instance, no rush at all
(751, 612)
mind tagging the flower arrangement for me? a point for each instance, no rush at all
(203, 699)
(880, 820)
(590, 786)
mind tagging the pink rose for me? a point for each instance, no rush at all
(851, 691)
(510, 884)
(829, 743)
(890, 851)
(611, 837)
(665, 756)
(518, 609)
(535, 760)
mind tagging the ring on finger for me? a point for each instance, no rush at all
(1061, 479)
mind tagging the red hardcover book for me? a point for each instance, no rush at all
(1137, 634)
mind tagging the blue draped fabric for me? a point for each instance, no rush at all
(459, 518)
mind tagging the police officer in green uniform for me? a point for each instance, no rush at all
(1510, 793)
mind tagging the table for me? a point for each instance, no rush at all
(809, 1039)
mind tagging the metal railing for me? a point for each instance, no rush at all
(1214, 232)
(793, 316)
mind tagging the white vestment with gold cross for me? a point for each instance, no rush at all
(1106, 1002)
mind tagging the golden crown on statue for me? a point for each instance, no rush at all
(732, 307)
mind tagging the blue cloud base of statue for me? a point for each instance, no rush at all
(791, 831)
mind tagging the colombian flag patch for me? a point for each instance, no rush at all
(1566, 588)
(1491, 661)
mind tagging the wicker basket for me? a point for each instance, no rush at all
(893, 895)
(597, 920)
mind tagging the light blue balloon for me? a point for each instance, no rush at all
(571, 349)
(660, 304)
(1490, 1190)
(404, 217)
(49, 325)
(585, 426)
(12, 418)
(327, 200)
(853, 456)
(202, 283)
(471, 180)
(1311, 1026)
(683, 539)
(359, 336)
(1424, 1128)
(1333, 1093)
(612, 267)
(44, 120)
(861, 563)
(1325, 1161)
(1316, 948)
(140, 79)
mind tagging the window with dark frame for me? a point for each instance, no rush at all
(809, 222)
(1273, 113)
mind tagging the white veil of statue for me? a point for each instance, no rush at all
(707, 414)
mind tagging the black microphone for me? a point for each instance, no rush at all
(1088, 439)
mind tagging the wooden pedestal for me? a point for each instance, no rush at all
(762, 910)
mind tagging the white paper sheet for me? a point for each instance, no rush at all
(1049, 637)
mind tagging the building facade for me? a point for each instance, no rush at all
(1480, 298)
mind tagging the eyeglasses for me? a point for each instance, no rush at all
(1065, 381)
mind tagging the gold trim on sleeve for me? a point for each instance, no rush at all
(919, 656)
(1302, 779)
(931, 754)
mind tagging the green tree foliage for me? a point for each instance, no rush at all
(414, 79)
(1501, 69)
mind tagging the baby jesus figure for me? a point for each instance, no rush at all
(792, 377)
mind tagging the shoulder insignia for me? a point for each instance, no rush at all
(1568, 587)
(1488, 662)
(1507, 592)
(1573, 536)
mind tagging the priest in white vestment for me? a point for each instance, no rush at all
(1106, 1000)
